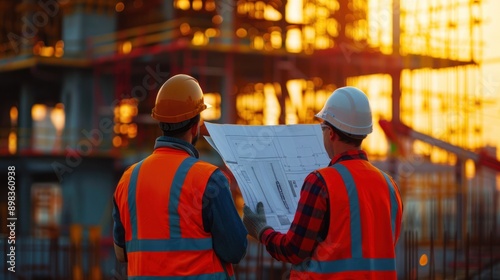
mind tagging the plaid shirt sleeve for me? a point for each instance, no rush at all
(309, 226)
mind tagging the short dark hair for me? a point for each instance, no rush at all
(178, 129)
(347, 138)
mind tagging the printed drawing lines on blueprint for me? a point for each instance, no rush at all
(280, 189)
(271, 207)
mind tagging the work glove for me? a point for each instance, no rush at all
(255, 222)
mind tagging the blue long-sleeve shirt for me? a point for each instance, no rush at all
(219, 214)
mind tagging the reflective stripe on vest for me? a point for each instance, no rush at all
(394, 205)
(357, 262)
(159, 245)
(355, 218)
(175, 193)
(131, 199)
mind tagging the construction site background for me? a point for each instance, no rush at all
(79, 79)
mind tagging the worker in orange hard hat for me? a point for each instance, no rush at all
(349, 215)
(174, 215)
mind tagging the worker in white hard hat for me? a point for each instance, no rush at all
(348, 219)
(174, 216)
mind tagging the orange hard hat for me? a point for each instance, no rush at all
(179, 99)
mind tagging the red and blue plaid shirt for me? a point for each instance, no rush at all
(311, 222)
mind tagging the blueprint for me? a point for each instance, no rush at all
(270, 164)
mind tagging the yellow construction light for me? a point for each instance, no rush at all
(318, 82)
(322, 43)
(210, 5)
(294, 40)
(276, 41)
(214, 112)
(132, 130)
(271, 14)
(59, 51)
(290, 114)
(258, 12)
(293, 101)
(123, 129)
(423, 260)
(309, 34)
(272, 109)
(13, 115)
(241, 32)
(197, 5)
(58, 117)
(217, 19)
(258, 43)
(331, 5)
(322, 12)
(126, 112)
(182, 4)
(126, 47)
(199, 39)
(259, 6)
(321, 96)
(309, 12)
(211, 32)
(185, 28)
(38, 112)
(294, 11)
(470, 169)
(117, 141)
(47, 51)
(240, 8)
(12, 142)
(249, 7)
(119, 7)
(332, 27)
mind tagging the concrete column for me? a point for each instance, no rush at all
(79, 24)
(77, 97)
(23, 42)
(87, 199)
(25, 120)
(226, 10)
(24, 200)
(102, 123)
(228, 96)
(168, 9)
(396, 30)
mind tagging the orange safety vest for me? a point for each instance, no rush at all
(365, 219)
(160, 203)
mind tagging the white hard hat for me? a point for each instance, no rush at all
(348, 110)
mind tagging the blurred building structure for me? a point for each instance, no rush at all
(79, 79)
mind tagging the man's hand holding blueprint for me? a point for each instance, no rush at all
(270, 163)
